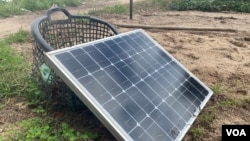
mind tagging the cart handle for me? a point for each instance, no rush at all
(58, 9)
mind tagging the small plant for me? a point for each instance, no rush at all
(207, 116)
(197, 132)
(45, 129)
(216, 88)
(39, 110)
(229, 103)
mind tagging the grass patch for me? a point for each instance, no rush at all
(116, 9)
(203, 123)
(200, 5)
(15, 82)
(45, 129)
(211, 5)
(45, 4)
(162, 4)
(17, 7)
(20, 37)
(197, 133)
(14, 70)
(217, 89)
(7, 9)
(207, 116)
(230, 103)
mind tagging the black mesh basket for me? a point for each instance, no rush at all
(50, 34)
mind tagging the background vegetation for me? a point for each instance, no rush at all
(15, 71)
(204, 5)
(211, 5)
(17, 7)
(15, 83)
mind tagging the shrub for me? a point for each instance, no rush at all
(211, 5)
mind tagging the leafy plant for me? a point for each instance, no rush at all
(45, 129)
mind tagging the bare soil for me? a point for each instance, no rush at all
(216, 58)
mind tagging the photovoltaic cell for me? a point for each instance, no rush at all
(136, 88)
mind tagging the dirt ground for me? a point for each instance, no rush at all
(216, 58)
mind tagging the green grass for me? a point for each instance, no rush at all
(217, 89)
(203, 122)
(197, 132)
(230, 103)
(207, 116)
(45, 129)
(211, 5)
(7, 9)
(14, 70)
(19, 37)
(15, 82)
(200, 5)
(162, 4)
(116, 9)
(16, 7)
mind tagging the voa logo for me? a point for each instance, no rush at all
(236, 132)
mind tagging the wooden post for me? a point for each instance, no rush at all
(131, 10)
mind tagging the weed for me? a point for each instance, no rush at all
(39, 110)
(197, 132)
(19, 37)
(216, 88)
(88, 135)
(207, 116)
(12, 67)
(45, 129)
(15, 80)
(229, 103)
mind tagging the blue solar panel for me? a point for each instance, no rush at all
(137, 89)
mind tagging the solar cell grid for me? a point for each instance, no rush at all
(135, 84)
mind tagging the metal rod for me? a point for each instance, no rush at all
(131, 10)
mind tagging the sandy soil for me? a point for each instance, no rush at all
(217, 58)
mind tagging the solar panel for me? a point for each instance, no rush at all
(136, 88)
